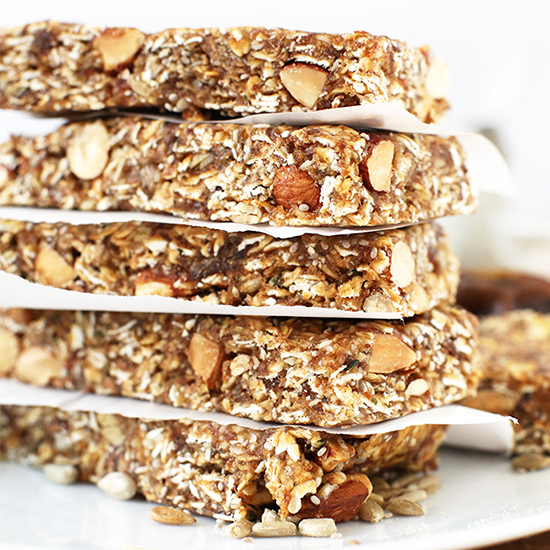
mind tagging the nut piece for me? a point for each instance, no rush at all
(171, 516)
(118, 47)
(238, 529)
(317, 527)
(37, 366)
(377, 168)
(404, 507)
(118, 485)
(304, 82)
(294, 187)
(491, 401)
(9, 350)
(403, 266)
(342, 504)
(389, 354)
(335, 453)
(206, 358)
(371, 511)
(61, 473)
(530, 462)
(88, 151)
(438, 82)
(53, 268)
(274, 529)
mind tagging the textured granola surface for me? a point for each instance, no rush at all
(208, 468)
(316, 175)
(303, 371)
(51, 66)
(514, 350)
(407, 271)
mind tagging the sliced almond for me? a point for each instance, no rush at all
(295, 187)
(53, 268)
(389, 354)
(88, 151)
(171, 516)
(304, 82)
(403, 265)
(118, 47)
(206, 358)
(377, 169)
(9, 350)
(37, 366)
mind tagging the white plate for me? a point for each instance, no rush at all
(482, 501)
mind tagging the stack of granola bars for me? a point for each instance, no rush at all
(381, 337)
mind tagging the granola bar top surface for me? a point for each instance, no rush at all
(212, 469)
(52, 67)
(302, 371)
(407, 271)
(514, 351)
(316, 175)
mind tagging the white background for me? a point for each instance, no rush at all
(499, 59)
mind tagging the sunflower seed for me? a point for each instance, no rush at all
(118, 485)
(171, 516)
(61, 473)
(403, 507)
(371, 511)
(530, 462)
(317, 527)
(238, 530)
(274, 529)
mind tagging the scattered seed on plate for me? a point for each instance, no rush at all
(317, 527)
(403, 507)
(371, 511)
(239, 529)
(171, 516)
(530, 461)
(118, 485)
(61, 473)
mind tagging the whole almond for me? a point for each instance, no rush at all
(295, 187)
(342, 504)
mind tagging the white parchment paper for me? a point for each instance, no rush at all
(18, 292)
(467, 427)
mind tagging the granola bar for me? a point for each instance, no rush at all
(407, 271)
(316, 175)
(302, 371)
(52, 67)
(514, 350)
(211, 469)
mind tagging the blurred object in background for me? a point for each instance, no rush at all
(489, 292)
